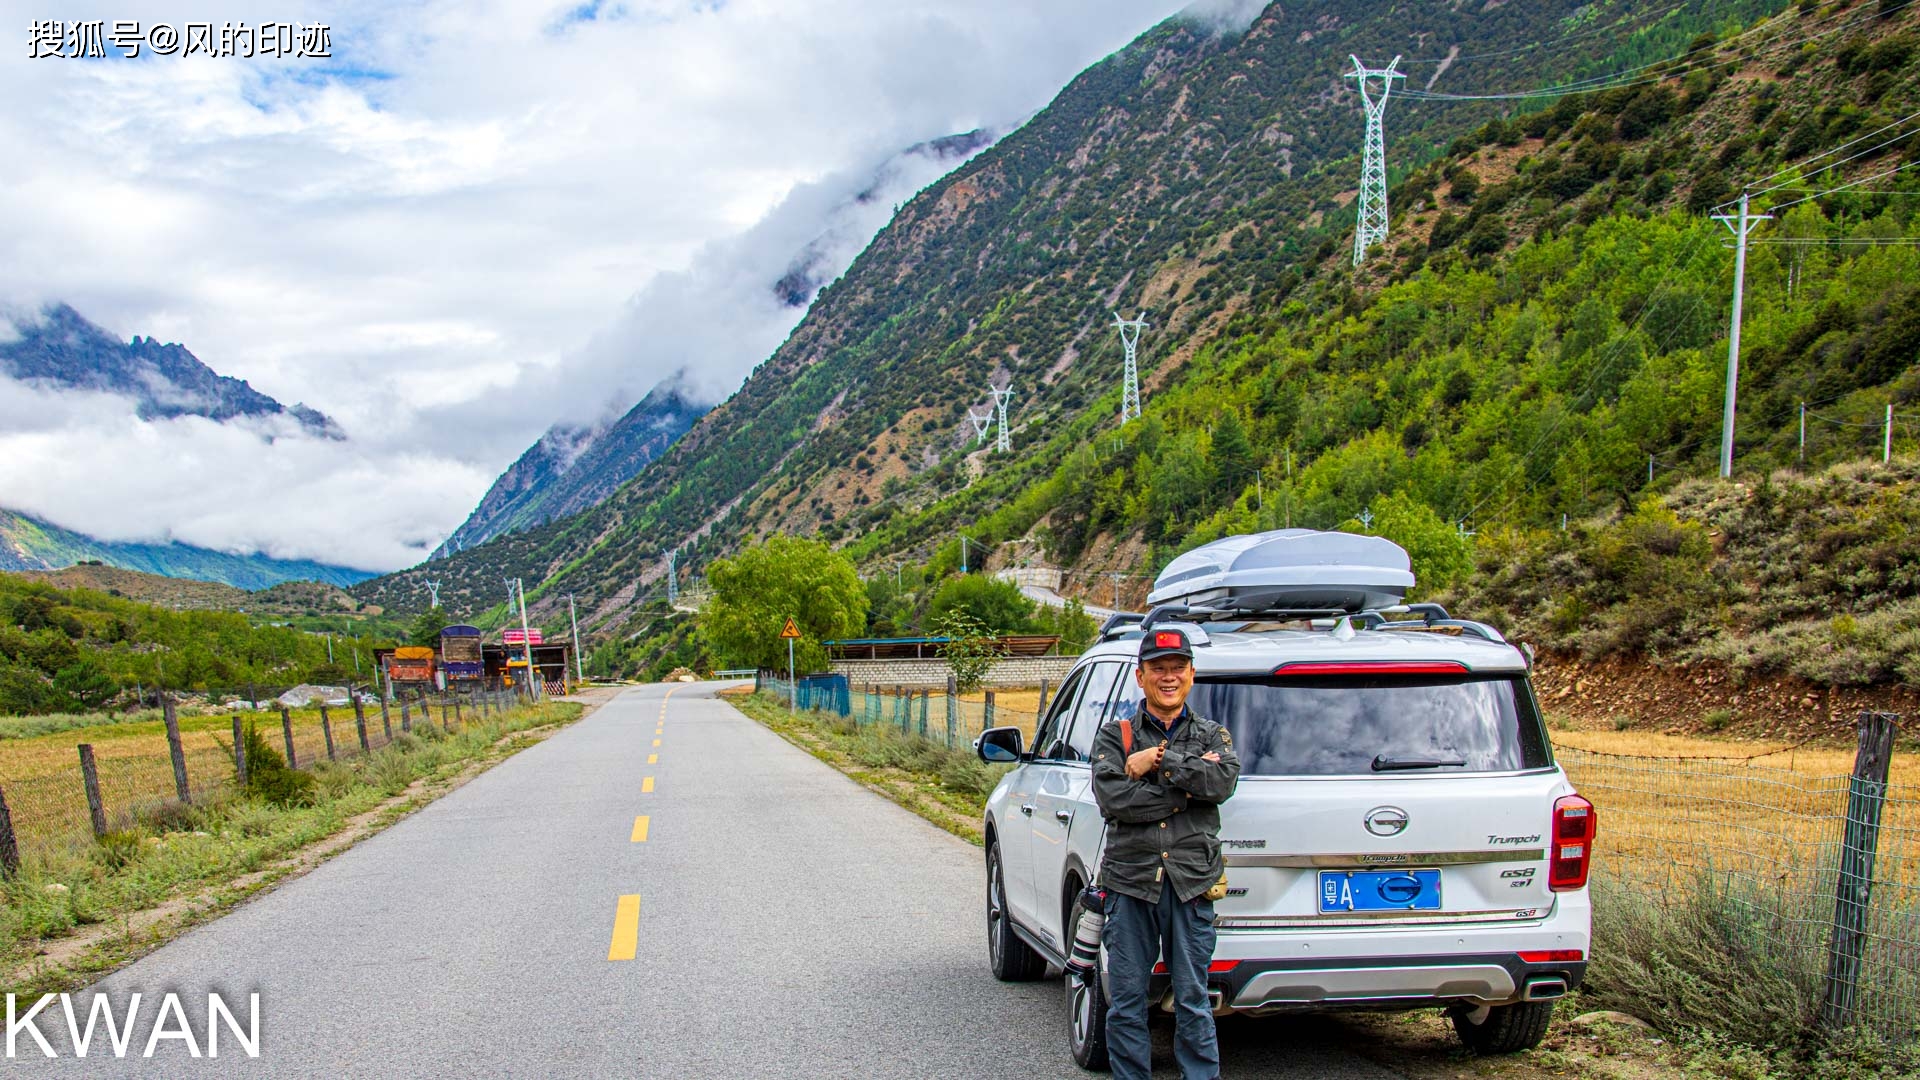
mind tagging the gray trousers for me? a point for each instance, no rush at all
(1136, 935)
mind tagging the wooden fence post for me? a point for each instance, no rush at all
(457, 718)
(926, 701)
(1041, 709)
(1866, 797)
(406, 715)
(359, 717)
(326, 730)
(175, 750)
(239, 753)
(953, 705)
(988, 722)
(286, 729)
(90, 776)
(9, 847)
(386, 720)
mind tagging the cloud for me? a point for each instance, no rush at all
(84, 461)
(1224, 16)
(475, 219)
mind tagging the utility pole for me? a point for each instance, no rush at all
(515, 588)
(1116, 576)
(579, 666)
(1130, 379)
(1002, 438)
(1886, 447)
(1803, 434)
(673, 577)
(963, 553)
(1370, 227)
(1259, 490)
(1365, 518)
(1741, 225)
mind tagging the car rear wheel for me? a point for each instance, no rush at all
(1013, 960)
(1086, 1008)
(1503, 1029)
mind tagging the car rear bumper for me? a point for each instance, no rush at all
(1265, 971)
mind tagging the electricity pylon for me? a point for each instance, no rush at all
(673, 577)
(1370, 227)
(1002, 438)
(1130, 380)
(433, 594)
(980, 424)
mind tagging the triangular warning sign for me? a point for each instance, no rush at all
(790, 630)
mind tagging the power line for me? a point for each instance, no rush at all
(1833, 150)
(1844, 187)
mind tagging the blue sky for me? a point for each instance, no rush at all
(445, 235)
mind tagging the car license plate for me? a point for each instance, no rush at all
(1379, 890)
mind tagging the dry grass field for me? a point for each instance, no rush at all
(40, 775)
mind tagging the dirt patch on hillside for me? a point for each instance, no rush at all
(1697, 699)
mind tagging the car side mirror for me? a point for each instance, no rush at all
(999, 746)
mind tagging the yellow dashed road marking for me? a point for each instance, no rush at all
(626, 929)
(653, 759)
(646, 785)
(640, 829)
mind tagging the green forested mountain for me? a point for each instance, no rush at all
(1546, 322)
(79, 649)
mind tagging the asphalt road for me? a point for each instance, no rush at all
(789, 923)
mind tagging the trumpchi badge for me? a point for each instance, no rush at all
(1386, 821)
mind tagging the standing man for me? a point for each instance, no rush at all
(1161, 797)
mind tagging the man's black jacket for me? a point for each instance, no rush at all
(1166, 825)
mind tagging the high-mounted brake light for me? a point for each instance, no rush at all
(1552, 956)
(1377, 667)
(1574, 827)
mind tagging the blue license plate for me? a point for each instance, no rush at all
(1379, 890)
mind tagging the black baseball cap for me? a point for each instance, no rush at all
(1157, 643)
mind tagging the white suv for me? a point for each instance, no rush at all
(1401, 836)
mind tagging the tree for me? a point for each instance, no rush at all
(1232, 458)
(995, 603)
(426, 626)
(756, 591)
(970, 650)
(1437, 549)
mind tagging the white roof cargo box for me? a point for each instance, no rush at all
(1288, 569)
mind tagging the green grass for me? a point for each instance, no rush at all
(176, 851)
(947, 787)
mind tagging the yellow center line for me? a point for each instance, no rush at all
(646, 785)
(626, 929)
(653, 759)
(640, 829)
(656, 742)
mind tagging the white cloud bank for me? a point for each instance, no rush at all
(475, 220)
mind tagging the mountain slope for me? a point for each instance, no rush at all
(572, 468)
(27, 543)
(62, 349)
(1197, 174)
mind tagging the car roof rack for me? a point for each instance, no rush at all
(1432, 616)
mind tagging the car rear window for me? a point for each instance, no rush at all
(1344, 725)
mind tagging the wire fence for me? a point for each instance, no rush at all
(952, 721)
(1824, 870)
(59, 793)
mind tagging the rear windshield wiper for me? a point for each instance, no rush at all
(1383, 763)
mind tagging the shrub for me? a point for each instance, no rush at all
(268, 776)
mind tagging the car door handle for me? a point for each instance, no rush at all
(1064, 815)
(1027, 809)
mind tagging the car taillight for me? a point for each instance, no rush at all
(1216, 967)
(1372, 667)
(1552, 956)
(1574, 827)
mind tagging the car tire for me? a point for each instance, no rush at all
(1503, 1029)
(1086, 1009)
(1013, 959)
